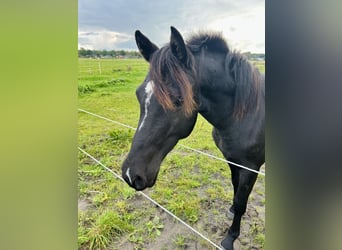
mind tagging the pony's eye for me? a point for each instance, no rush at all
(178, 102)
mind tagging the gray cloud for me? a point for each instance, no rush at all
(153, 18)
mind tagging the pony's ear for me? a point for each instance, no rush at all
(178, 46)
(146, 47)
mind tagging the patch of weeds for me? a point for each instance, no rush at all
(139, 248)
(259, 191)
(121, 206)
(126, 192)
(215, 212)
(91, 170)
(180, 241)
(163, 192)
(176, 160)
(185, 205)
(212, 193)
(187, 183)
(110, 82)
(137, 238)
(257, 232)
(260, 239)
(121, 137)
(83, 220)
(85, 89)
(263, 201)
(105, 93)
(107, 226)
(218, 192)
(153, 227)
(82, 236)
(82, 187)
(99, 198)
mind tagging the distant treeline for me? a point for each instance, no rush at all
(107, 53)
(87, 53)
(254, 56)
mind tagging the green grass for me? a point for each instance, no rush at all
(194, 187)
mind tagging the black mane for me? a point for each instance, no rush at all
(212, 41)
(247, 79)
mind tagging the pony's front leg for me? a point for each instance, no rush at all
(233, 233)
(246, 183)
(235, 181)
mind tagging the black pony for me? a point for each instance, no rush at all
(202, 76)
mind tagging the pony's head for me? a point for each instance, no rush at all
(168, 108)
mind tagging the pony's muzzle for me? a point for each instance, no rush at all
(135, 181)
(139, 183)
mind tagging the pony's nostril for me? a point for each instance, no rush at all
(139, 183)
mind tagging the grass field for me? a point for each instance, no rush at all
(194, 187)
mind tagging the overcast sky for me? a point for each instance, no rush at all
(110, 24)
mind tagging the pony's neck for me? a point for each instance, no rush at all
(216, 109)
(230, 88)
(216, 90)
